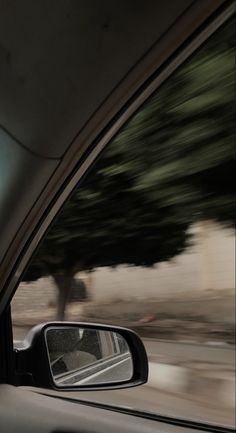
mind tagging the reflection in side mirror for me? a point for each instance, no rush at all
(87, 356)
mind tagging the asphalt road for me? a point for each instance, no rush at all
(188, 352)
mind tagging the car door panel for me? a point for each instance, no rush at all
(24, 411)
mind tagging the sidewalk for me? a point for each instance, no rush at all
(197, 381)
(167, 329)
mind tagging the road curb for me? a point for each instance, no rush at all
(213, 344)
(180, 379)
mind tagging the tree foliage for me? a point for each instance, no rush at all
(170, 166)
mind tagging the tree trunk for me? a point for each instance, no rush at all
(64, 284)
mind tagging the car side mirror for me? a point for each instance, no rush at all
(76, 356)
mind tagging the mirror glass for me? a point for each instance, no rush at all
(82, 356)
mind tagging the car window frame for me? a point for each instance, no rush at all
(190, 46)
(215, 14)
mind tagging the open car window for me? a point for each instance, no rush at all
(147, 241)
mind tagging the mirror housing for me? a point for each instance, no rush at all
(33, 367)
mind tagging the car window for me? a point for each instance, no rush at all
(147, 240)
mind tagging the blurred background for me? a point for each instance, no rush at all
(147, 241)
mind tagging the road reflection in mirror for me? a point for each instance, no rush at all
(81, 356)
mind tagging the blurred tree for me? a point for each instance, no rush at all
(170, 166)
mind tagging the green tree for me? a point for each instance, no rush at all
(170, 166)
